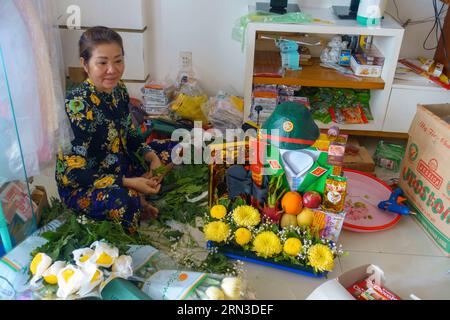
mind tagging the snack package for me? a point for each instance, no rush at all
(334, 193)
(389, 155)
(365, 290)
(329, 224)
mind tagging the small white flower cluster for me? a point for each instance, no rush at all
(82, 219)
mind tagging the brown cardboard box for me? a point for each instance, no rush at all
(39, 197)
(425, 171)
(361, 161)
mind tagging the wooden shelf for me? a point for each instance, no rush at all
(269, 63)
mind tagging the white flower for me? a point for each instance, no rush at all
(215, 293)
(51, 274)
(232, 288)
(92, 278)
(122, 267)
(104, 254)
(40, 263)
(69, 281)
(82, 256)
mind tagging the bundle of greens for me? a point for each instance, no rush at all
(80, 232)
(190, 182)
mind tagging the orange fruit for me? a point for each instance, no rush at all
(292, 203)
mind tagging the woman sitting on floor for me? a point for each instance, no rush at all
(102, 177)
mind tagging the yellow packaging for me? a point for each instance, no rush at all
(334, 193)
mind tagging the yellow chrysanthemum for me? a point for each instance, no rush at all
(242, 236)
(217, 231)
(292, 246)
(321, 258)
(246, 216)
(218, 212)
(267, 244)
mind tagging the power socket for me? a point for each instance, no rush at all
(186, 60)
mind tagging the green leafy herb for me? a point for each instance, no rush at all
(74, 235)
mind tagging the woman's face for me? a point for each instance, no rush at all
(106, 66)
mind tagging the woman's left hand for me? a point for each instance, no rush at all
(155, 163)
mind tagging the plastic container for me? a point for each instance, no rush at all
(121, 289)
(370, 12)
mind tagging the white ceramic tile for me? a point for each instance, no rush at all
(406, 237)
(424, 276)
(273, 284)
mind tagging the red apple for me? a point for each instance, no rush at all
(312, 199)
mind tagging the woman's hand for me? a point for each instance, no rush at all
(142, 185)
(155, 163)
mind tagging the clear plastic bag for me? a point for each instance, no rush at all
(225, 111)
(240, 26)
(31, 64)
(189, 100)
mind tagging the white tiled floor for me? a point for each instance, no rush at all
(411, 262)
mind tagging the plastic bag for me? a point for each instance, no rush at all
(190, 107)
(389, 155)
(31, 62)
(188, 285)
(189, 100)
(225, 111)
(240, 26)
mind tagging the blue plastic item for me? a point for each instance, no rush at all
(290, 57)
(394, 204)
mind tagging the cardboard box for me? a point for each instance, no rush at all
(360, 160)
(425, 172)
(336, 289)
(39, 197)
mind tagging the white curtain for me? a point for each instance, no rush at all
(32, 64)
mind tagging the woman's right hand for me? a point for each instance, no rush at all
(142, 185)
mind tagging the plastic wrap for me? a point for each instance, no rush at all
(34, 90)
(18, 90)
(189, 100)
(225, 111)
(240, 26)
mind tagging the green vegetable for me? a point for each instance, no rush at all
(192, 180)
(73, 235)
(276, 190)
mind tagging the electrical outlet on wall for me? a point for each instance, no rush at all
(186, 60)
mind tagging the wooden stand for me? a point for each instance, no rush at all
(440, 51)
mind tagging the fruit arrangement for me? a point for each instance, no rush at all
(294, 239)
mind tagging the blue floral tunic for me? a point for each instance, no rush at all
(106, 147)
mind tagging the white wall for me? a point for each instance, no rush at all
(204, 28)
(415, 34)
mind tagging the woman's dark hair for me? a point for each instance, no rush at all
(95, 36)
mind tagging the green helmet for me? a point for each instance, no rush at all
(297, 129)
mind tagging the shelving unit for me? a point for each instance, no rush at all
(310, 76)
(387, 38)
